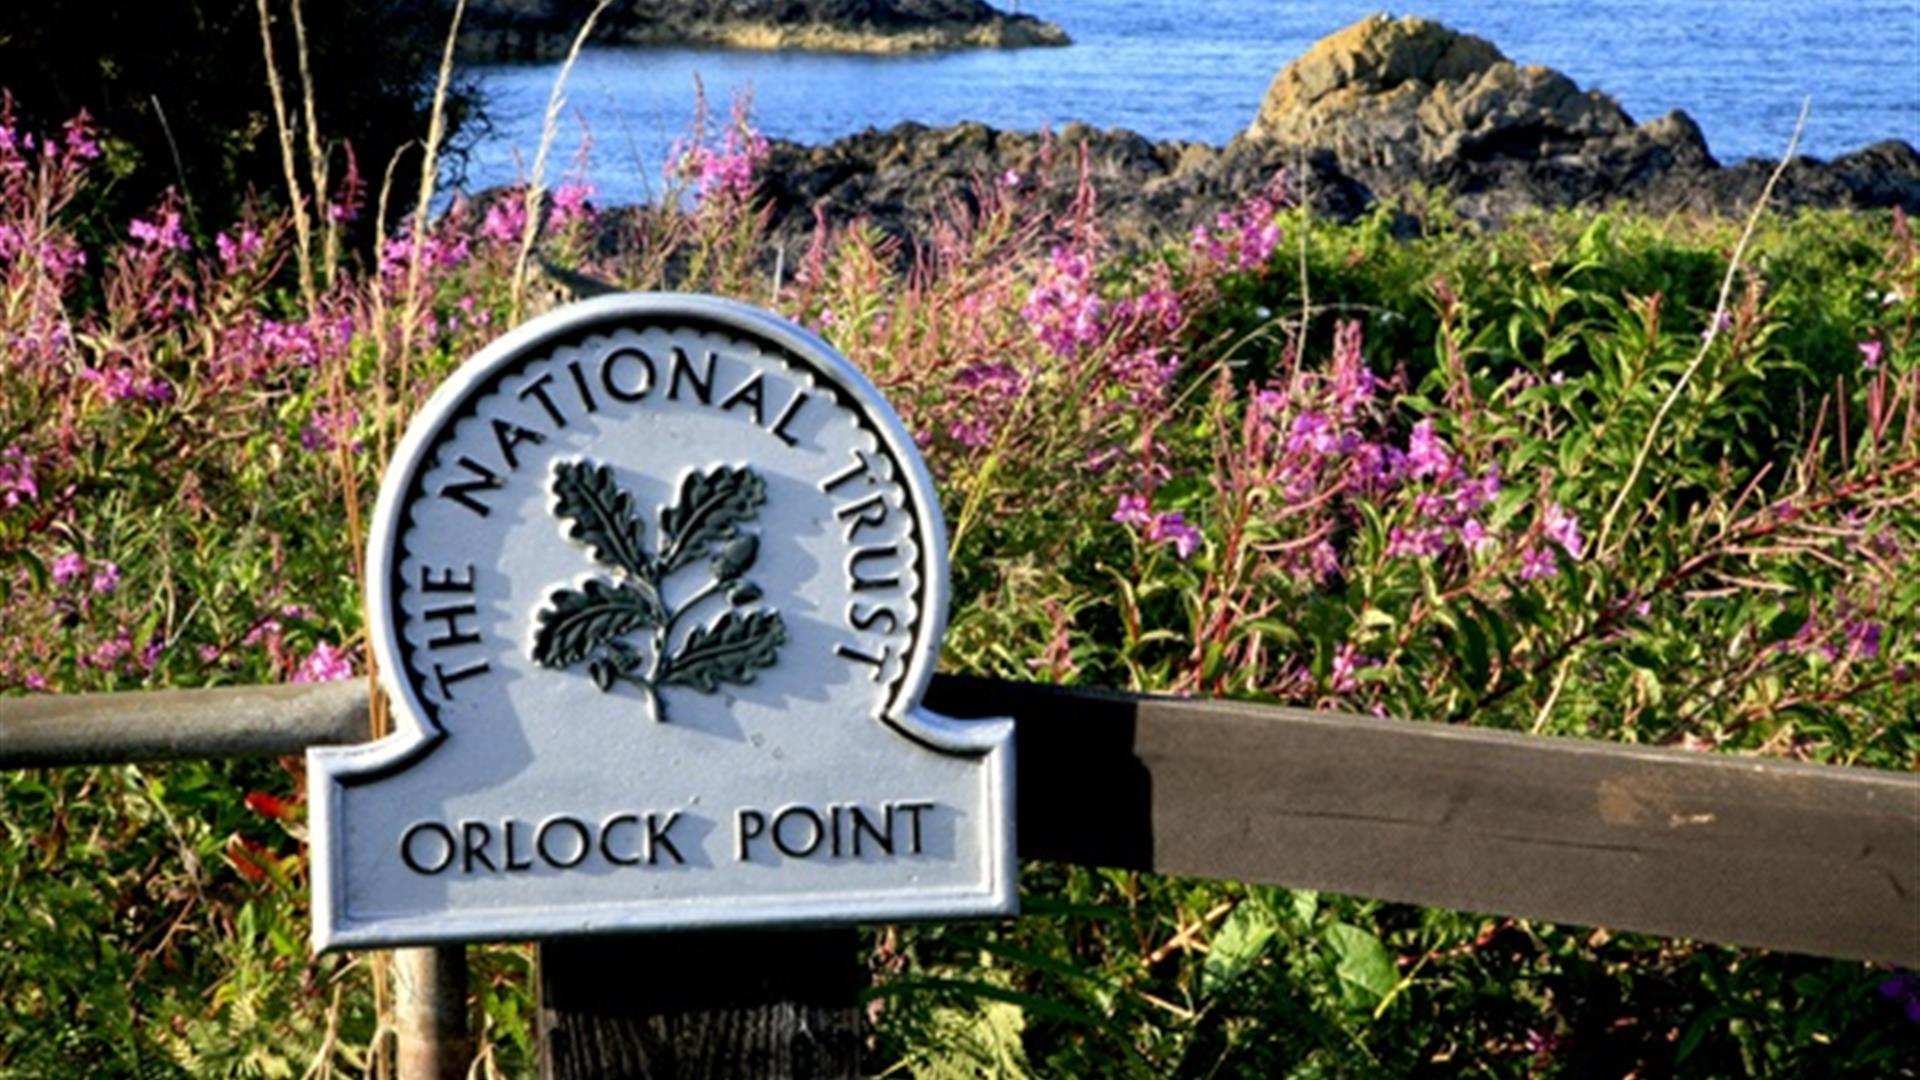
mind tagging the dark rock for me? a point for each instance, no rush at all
(907, 177)
(531, 29)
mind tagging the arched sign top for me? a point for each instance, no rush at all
(671, 541)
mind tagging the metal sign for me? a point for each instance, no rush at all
(655, 584)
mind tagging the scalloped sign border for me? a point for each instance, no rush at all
(349, 914)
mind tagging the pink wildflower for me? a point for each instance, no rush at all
(1347, 662)
(235, 252)
(1537, 562)
(570, 203)
(996, 382)
(1353, 382)
(1157, 308)
(324, 664)
(1863, 639)
(1564, 529)
(506, 220)
(1312, 433)
(166, 235)
(1147, 373)
(1471, 495)
(1325, 561)
(1171, 528)
(1245, 236)
(1427, 454)
(1063, 310)
(436, 253)
(1132, 510)
(68, 567)
(972, 434)
(80, 141)
(106, 578)
(1379, 467)
(325, 429)
(110, 652)
(1422, 542)
(17, 484)
(725, 171)
(1870, 352)
(1431, 505)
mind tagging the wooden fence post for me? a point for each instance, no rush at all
(703, 1005)
(430, 1012)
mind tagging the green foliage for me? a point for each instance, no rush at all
(1743, 583)
(1164, 473)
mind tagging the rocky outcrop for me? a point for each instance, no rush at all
(1382, 111)
(1399, 101)
(909, 176)
(528, 29)
(1406, 92)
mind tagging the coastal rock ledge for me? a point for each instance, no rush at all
(1385, 111)
(540, 29)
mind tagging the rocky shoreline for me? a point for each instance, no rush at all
(1384, 112)
(544, 29)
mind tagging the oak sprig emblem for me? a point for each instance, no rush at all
(621, 625)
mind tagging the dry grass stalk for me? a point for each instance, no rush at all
(536, 184)
(1713, 331)
(423, 205)
(302, 225)
(316, 156)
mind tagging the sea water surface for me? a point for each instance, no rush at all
(1196, 69)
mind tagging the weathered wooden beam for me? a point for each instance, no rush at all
(703, 1005)
(175, 725)
(1717, 847)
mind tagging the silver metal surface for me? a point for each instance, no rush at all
(656, 584)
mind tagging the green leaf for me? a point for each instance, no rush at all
(1241, 942)
(602, 516)
(1365, 968)
(710, 507)
(729, 651)
(1306, 904)
(578, 621)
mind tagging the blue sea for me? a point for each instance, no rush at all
(1196, 69)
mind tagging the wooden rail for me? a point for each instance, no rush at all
(179, 725)
(1717, 847)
